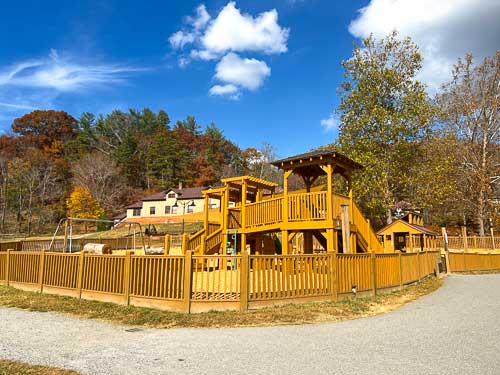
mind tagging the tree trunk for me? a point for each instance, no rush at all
(389, 216)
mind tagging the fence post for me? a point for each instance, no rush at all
(400, 271)
(7, 261)
(166, 246)
(41, 267)
(492, 239)
(474, 238)
(187, 282)
(374, 273)
(436, 262)
(184, 245)
(244, 275)
(419, 269)
(79, 280)
(333, 276)
(127, 271)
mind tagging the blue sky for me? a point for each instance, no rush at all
(263, 71)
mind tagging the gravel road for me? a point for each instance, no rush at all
(455, 330)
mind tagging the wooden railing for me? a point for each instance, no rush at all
(200, 283)
(234, 218)
(338, 201)
(464, 262)
(265, 212)
(473, 242)
(214, 239)
(365, 230)
(195, 240)
(307, 207)
(288, 277)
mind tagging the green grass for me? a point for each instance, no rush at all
(286, 314)
(15, 367)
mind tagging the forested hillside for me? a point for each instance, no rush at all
(52, 162)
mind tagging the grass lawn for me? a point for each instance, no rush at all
(280, 315)
(15, 367)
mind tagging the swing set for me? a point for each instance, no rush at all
(134, 230)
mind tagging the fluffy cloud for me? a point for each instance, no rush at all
(229, 32)
(331, 123)
(246, 73)
(233, 31)
(229, 90)
(444, 30)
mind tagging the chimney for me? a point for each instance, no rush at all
(180, 185)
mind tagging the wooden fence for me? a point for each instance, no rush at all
(190, 283)
(76, 244)
(464, 262)
(470, 243)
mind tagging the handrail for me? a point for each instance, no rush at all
(307, 207)
(265, 212)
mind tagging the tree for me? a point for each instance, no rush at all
(82, 205)
(470, 105)
(384, 110)
(101, 177)
(47, 130)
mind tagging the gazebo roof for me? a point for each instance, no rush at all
(250, 180)
(308, 164)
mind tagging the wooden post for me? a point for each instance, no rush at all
(188, 273)
(205, 214)
(492, 239)
(346, 229)
(245, 276)
(185, 242)
(79, 280)
(203, 245)
(41, 267)
(285, 245)
(333, 276)
(400, 271)
(474, 239)
(7, 267)
(65, 241)
(167, 244)
(411, 243)
(127, 271)
(374, 273)
(419, 269)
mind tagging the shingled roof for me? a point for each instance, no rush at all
(318, 154)
(182, 194)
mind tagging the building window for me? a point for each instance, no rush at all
(152, 210)
(189, 209)
(167, 210)
(388, 237)
(171, 195)
(174, 210)
(137, 212)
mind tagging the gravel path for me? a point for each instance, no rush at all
(455, 330)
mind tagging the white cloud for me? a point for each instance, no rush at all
(231, 31)
(444, 30)
(331, 123)
(231, 91)
(181, 38)
(61, 75)
(201, 19)
(15, 107)
(247, 73)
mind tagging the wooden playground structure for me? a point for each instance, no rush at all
(252, 212)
